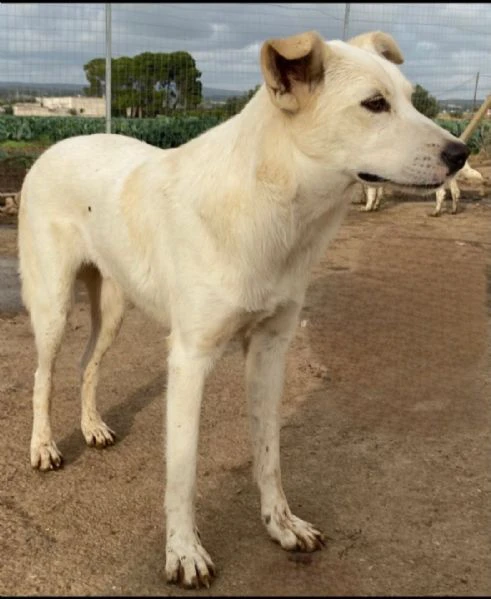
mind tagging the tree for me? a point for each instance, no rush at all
(95, 71)
(424, 103)
(147, 84)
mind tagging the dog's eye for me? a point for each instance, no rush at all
(376, 104)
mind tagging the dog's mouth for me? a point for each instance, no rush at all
(370, 178)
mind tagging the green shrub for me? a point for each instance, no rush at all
(457, 127)
(163, 132)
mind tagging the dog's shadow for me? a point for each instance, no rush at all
(121, 417)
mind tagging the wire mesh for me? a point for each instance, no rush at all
(180, 68)
(179, 59)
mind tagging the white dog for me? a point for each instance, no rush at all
(217, 238)
(373, 197)
(466, 175)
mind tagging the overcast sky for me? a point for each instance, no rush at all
(444, 45)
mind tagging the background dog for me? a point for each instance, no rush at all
(467, 175)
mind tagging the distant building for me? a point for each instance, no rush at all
(30, 109)
(62, 106)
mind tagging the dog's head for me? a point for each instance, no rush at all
(349, 107)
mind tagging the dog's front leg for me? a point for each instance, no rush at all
(187, 562)
(264, 377)
(455, 193)
(440, 199)
(371, 194)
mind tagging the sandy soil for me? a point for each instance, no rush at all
(385, 438)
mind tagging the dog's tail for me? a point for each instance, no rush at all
(25, 246)
(47, 266)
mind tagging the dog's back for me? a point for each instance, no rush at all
(63, 197)
(78, 171)
(469, 174)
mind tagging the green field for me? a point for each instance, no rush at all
(26, 137)
(22, 139)
(164, 132)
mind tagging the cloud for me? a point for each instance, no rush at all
(444, 45)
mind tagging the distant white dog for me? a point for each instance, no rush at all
(217, 238)
(374, 195)
(466, 175)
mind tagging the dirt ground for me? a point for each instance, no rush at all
(385, 438)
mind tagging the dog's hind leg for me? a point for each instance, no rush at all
(47, 268)
(107, 309)
(455, 193)
(264, 377)
(48, 323)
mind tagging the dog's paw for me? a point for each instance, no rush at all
(188, 564)
(45, 456)
(291, 532)
(435, 213)
(98, 434)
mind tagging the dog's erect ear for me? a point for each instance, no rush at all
(292, 67)
(380, 42)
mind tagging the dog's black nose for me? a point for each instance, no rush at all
(454, 156)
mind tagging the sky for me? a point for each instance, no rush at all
(444, 45)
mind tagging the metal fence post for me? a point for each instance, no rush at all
(475, 92)
(108, 68)
(346, 21)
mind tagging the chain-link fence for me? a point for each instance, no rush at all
(178, 69)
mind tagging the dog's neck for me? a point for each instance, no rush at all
(280, 137)
(293, 205)
(283, 173)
